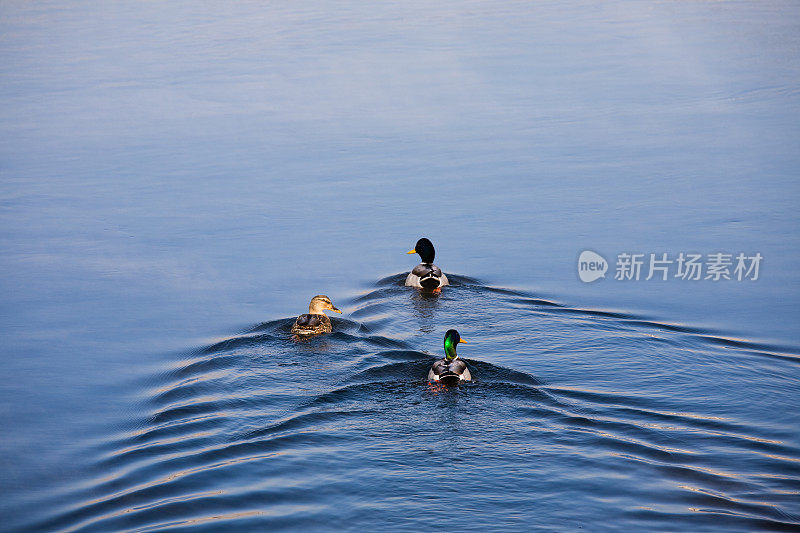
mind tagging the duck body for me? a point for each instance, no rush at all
(315, 321)
(426, 275)
(311, 324)
(451, 370)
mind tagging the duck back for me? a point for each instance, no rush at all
(311, 324)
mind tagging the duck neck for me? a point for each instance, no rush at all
(449, 349)
(315, 308)
(426, 256)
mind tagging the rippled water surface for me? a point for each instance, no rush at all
(573, 415)
(177, 181)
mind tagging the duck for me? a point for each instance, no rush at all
(315, 321)
(451, 370)
(426, 275)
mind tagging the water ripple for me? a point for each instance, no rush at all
(619, 415)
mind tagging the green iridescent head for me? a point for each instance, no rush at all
(451, 338)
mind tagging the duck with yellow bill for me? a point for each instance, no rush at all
(426, 275)
(315, 321)
(451, 370)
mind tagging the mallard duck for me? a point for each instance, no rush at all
(426, 275)
(315, 321)
(450, 370)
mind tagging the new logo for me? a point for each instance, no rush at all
(591, 266)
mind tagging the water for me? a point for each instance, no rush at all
(177, 182)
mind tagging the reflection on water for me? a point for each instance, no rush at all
(425, 305)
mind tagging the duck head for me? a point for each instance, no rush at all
(451, 339)
(320, 303)
(424, 248)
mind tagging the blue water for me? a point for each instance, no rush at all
(177, 181)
